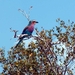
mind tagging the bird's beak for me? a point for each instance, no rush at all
(37, 22)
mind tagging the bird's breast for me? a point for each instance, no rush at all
(31, 28)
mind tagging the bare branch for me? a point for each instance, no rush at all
(24, 13)
(29, 11)
(15, 32)
(23, 35)
(67, 65)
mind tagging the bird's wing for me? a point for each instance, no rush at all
(24, 29)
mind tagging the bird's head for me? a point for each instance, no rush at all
(33, 22)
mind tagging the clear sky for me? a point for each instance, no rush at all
(44, 11)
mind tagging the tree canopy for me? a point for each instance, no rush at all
(52, 53)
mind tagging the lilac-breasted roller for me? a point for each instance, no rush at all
(27, 30)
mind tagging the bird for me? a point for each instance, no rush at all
(27, 31)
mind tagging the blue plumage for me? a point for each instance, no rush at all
(27, 30)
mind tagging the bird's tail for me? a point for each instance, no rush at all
(18, 43)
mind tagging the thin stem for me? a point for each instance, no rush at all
(24, 13)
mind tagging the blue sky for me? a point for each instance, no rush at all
(44, 11)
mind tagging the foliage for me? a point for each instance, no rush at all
(51, 54)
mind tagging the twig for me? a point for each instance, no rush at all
(24, 13)
(67, 65)
(23, 35)
(15, 32)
